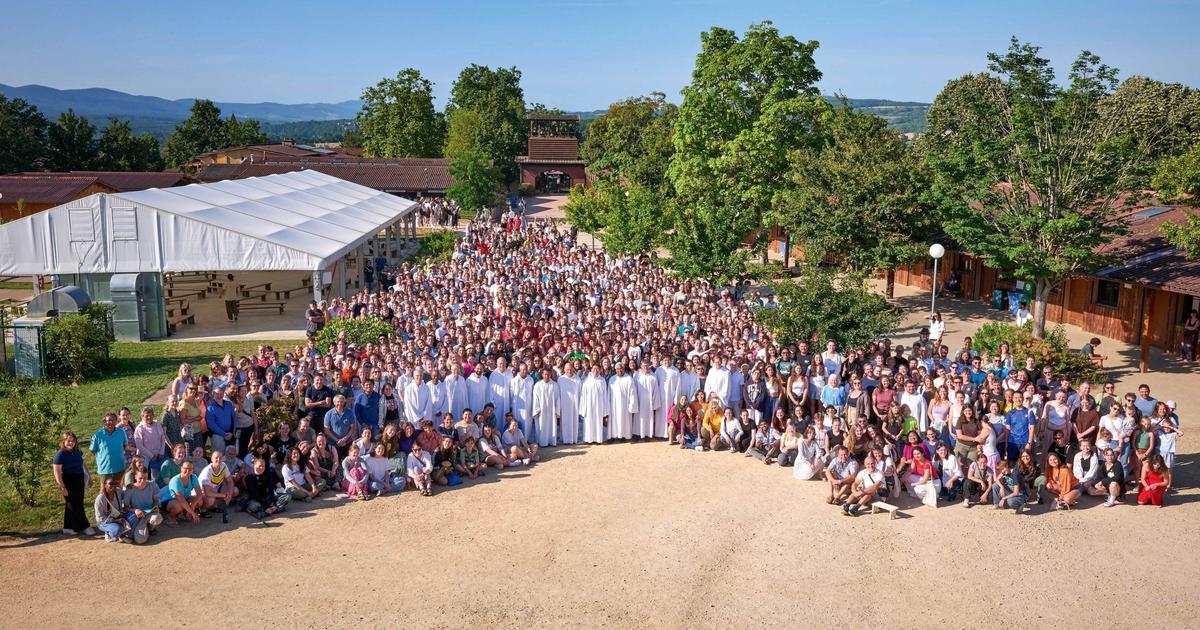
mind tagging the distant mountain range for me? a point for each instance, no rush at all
(324, 122)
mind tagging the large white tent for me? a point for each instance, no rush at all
(300, 221)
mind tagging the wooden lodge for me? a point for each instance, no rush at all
(552, 164)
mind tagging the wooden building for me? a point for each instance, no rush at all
(1148, 292)
(553, 164)
(35, 192)
(254, 153)
(404, 177)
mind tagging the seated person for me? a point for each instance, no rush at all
(218, 486)
(354, 475)
(141, 498)
(979, 481)
(494, 453)
(1009, 489)
(868, 485)
(469, 462)
(809, 458)
(518, 448)
(840, 475)
(420, 469)
(379, 468)
(1111, 480)
(1060, 480)
(264, 490)
(731, 432)
(764, 444)
(111, 518)
(1156, 478)
(301, 481)
(953, 284)
(170, 467)
(1089, 352)
(951, 472)
(689, 436)
(443, 460)
(922, 477)
(183, 495)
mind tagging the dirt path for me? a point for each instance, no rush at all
(631, 535)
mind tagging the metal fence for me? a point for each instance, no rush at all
(23, 351)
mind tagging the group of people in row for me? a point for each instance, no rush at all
(525, 339)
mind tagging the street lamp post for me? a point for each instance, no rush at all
(936, 251)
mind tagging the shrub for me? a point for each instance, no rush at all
(437, 246)
(1054, 349)
(77, 345)
(826, 304)
(525, 189)
(279, 411)
(356, 331)
(32, 418)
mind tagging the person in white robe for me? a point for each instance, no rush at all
(545, 410)
(500, 387)
(416, 400)
(668, 387)
(624, 404)
(521, 400)
(649, 401)
(568, 405)
(477, 390)
(689, 382)
(439, 400)
(456, 389)
(594, 405)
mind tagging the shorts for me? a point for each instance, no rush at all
(965, 451)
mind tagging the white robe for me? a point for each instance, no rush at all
(477, 392)
(719, 383)
(568, 409)
(521, 399)
(499, 394)
(416, 404)
(624, 406)
(668, 384)
(649, 400)
(439, 400)
(456, 389)
(689, 384)
(594, 405)
(544, 412)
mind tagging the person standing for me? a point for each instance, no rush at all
(72, 477)
(221, 419)
(230, 292)
(150, 440)
(545, 409)
(594, 405)
(568, 405)
(649, 395)
(109, 445)
(623, 406)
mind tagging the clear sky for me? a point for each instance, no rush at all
(574, 54)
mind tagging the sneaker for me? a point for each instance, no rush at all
(1059, 505)
(69, 532)
(845, 509)
(966, 503)
(91, 531)
(1110, 502)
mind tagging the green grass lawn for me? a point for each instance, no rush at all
(137, 370)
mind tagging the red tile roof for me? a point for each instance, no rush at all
(126, 181)
(44, 189)
(1169, 269)
(545, 149)
(388, 175)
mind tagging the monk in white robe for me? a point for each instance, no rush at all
(545, 410)
(568, 406)
(668, 388)
(648, 401)
(689, 383)
(477, 391)
(594, 405)
(500, 388)
(624, 404)
(456, 390)
(521, 400)
(439, 399)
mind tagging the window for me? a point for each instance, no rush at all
(1107, 293)
(124, 224)
(82, 225)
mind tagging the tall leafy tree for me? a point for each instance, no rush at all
(23, 136)
(466, 131)
(72, 143)
(240, 133)
(585, 210)
(1142, 107)
(857, 197)
(1178, 178)
(496, 96)
(202, 131)
(476, 181)
(828, 304)
(1027, 170)
(121, 150)
(633, 140)
(628, 218)
(398, 118)
(751, 101)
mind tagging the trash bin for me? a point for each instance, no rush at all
(998, 301)
(1014, 302)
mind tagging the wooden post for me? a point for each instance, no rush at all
(1145, 356)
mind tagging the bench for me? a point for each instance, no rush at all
(879, 506)
(174, 322)
(261, 306)
(181, 307)
(266, 286)
(186, 292)
(205, 275)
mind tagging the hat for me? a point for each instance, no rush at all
(1171, 405)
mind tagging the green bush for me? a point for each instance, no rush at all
(77, 345)
(826, 304)
(525, 189)
(437, 246)
(1054, 349)
(356, 331)
(279, 411)
(32, 418)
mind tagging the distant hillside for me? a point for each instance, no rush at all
(901, 115)
(102, 102)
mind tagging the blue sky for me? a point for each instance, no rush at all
(574, 54)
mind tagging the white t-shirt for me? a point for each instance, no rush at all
(293, 475)
(210, 478)
(868, 478)
(950, 469)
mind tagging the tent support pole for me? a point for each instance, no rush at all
(318, 289)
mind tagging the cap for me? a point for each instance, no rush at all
(1171, 404)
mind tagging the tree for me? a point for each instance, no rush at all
(1178, 178)
(1027, 171)
(750, 103)
(398, 119)
(827, 304)
(120, 150)
(72, 143)
(628, 218)
(23, 136)
(241, 133)
(206, 131)
(633, 140)
(32, 418)
(1143, 107)
(465, 132)
(703, 243)
(1185, 235)
(497, 97)
(476, 181)
(857, 197)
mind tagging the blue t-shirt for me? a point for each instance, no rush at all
(1019, 422)
(71, 461)
(110, 451)
(220, 418)
(177, 485)
(366, 409)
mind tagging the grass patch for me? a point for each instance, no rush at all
(136, 370)
(26, 286)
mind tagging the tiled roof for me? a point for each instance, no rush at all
(1169, 269)
(392, 175)
(1145, 234)
(127, 181)
(544, 149)
(45, 189)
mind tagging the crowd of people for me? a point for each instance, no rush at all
(526, 340)
(437, 212)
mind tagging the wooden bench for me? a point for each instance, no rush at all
(879, 506)
(260, 306)
(206, 275)
(174, 322)
(186, 292)
(181, 307)
(254, 288)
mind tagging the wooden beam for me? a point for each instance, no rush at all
(1145, 354)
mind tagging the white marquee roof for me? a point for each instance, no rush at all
(304, 220)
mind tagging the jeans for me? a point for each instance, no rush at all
(951, 493)
(787, 458)
(112, 530)
(1011, 502)
(218, 442)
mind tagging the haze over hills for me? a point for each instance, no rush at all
(305, 122)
